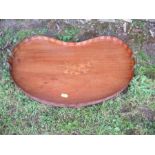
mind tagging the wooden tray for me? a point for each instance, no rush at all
(71, 74)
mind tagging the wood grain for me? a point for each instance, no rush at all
(71, 74)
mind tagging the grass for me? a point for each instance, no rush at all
(68, 34)
(141, 33)
(130, 113)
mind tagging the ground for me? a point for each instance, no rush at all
(132, 112)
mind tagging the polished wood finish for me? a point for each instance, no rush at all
(71, 74)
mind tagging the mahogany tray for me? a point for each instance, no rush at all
(71, 74)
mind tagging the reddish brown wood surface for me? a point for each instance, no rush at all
(71, 74)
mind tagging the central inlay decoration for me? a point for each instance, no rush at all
(77, 69)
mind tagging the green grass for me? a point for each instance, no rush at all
(138, 23)
(141, 36)
(68, 34)
(130, 113)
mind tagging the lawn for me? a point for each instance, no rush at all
(132, 112)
